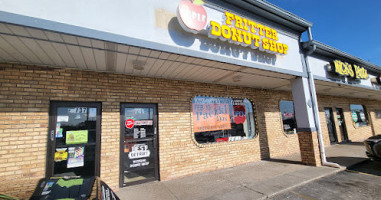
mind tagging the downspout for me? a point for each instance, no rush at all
(315, 107)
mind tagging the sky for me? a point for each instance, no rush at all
(353, 26)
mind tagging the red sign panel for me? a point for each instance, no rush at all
(239, 114)
(130, 123)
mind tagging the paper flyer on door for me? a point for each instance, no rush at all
(76, 157)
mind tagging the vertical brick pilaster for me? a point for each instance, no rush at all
(309, 148)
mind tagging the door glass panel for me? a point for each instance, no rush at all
(75, 136)
(139, 144)
(139, 160)
(330, 125)
(138, 123)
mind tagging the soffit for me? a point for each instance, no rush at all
(343, 90)
(25, 45)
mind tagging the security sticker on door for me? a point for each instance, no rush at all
(139, 151)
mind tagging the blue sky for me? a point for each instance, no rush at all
(353, 26)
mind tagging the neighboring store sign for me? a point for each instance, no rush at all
(345, 69)
(211, 114)
(235, 29)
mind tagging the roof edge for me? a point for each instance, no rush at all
(268, 11)
(329, 50)
(281, 12)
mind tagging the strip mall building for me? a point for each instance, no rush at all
(139, 91)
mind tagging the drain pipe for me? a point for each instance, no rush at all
(315, 107)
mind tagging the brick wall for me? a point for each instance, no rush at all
(26, 92)
(355, 134)
(309, 148)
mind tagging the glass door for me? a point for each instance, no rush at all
(74, 139)
(341, 122)
(139, 146)
(330, 125)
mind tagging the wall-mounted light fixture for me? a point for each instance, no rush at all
(138, 64)
(237, 78)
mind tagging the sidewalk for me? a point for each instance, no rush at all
(258, 180)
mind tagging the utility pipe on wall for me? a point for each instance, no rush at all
(315, 107)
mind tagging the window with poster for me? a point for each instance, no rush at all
(223, 119)
(378, 114)
(288, 116)
(359, 115)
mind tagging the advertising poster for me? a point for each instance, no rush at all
(76, 137)
(60, 155)
(211, 114)
(76, 157)
(59, 131)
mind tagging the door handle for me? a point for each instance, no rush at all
(155, 132)
(52, 135)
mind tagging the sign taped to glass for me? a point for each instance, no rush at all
(77, 137)
(210, 114)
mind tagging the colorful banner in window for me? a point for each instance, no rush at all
(211, 114)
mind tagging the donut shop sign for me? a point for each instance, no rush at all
(233, 28)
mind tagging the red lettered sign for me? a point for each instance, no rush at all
(130, 123)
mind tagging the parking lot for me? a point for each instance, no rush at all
(362, 181)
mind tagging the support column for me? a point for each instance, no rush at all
(309, 148)
(307, 135)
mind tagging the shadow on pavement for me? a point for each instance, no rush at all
(352, 143)
(367, 167)
(285, 161)
(346, 161)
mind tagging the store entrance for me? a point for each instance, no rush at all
(331, 125)
(341, 123)
(139, 144)
(74, 139)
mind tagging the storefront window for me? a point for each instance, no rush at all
(359, 115)
(221, 119)
(288, 116)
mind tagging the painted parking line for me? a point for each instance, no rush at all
(302, 195)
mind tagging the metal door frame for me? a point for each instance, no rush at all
(155, 142)
(51, 143)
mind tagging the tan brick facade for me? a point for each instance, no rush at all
(26, 92)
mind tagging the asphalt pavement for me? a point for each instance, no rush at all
(360, 182)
